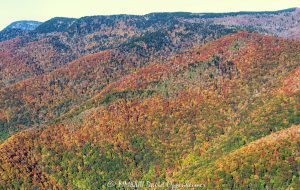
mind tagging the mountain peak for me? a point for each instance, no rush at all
(24, 25)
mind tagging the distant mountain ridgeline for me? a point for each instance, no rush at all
(171, 32)
(92, 23)
(24, 25)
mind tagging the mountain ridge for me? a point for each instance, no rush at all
(205, 14)
(23, 25)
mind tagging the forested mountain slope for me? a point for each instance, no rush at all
(59, 41)
(225, 114)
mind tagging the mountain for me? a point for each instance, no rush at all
(283, 23)
(24, 25)
(66, 39)
(147, 39)
(177, 98)
(18, 28)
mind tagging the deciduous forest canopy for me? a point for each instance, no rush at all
(178, 97)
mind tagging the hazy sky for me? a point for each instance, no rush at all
(42, 10)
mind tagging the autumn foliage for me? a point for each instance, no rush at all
(224, 114)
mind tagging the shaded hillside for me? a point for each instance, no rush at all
(169, 121)
(18, 28)
(8, 34)
(21, 60)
